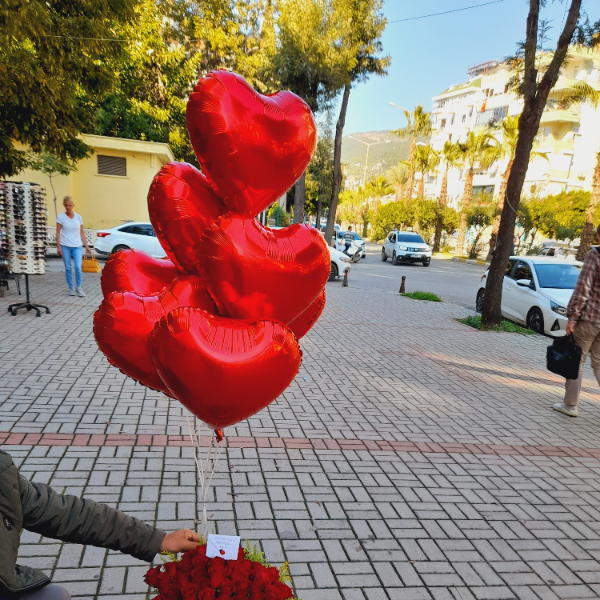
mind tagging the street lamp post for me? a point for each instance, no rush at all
(364, 178)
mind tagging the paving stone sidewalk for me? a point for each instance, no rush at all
(412, 457)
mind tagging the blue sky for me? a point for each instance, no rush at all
(428, 55)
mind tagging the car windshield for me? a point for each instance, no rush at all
(559, 276)
(347, 234)
(412, 238)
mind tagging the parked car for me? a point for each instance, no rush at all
(536, 291)
(406, 246)
(340, 263)
(342, 236)
(138, 236)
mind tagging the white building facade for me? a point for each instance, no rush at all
(570, 138)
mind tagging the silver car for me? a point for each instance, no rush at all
(406, 246)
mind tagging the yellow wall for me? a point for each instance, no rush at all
(104, 201)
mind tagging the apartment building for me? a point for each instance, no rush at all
(569, 137)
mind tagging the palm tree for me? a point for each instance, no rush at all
(374, 190)
(426, 161)
(398, 176)
(481, 149)
(452, 155)
(578, 94)
(418, 125)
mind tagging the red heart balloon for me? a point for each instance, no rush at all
(256, 273)
(251, 147)
(124, 322)
(223, 370)
(302, 324)
(182, 205)
(136, 271)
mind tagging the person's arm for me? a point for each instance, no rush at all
(83, 521)
(582, 290)
(82, 234)
(58, 228)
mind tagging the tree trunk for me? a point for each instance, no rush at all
(535, 97)
(421, 188)
(442, 204)
(318, 216)
(500, 206)
(399, 193)
(466, 200)
(588, 229)
(337, 166)
(299, 198)
(410, 181)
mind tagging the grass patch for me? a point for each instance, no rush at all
(506, 326)
(422, 296)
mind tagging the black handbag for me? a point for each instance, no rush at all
(564, 357)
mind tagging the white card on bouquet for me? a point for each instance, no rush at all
(225, 546)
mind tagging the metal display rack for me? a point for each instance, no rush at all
(23, 237)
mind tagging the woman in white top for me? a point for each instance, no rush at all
(69, 241)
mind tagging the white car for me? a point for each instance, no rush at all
(340, 263)
(406, 246)
(348, 236)
(138, 236)
(536, 291)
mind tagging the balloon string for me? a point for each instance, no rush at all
(206, 468)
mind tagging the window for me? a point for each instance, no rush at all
(142, 230)
(509, 267)
(452, 120)
(464, 118)
(393, 238)
(112, 165)
(561, 277)
(443, 125)
(523, 271)
(471, 112)
(410, 238)
(575, 128)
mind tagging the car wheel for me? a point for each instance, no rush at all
(479, 300)
(535, 320)
(119, 248)
(426, 263)
(394, 259)
(383, 255)
(334, 272)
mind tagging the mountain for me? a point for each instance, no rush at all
(382, 155)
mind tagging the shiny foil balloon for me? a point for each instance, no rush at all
(253, 272)
(124, 322)
(251, 147)
(136, 271)
(302, 324)
(223, 370)
(182, 205)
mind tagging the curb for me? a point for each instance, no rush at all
(471, 261)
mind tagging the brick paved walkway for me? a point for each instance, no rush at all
(412, 457)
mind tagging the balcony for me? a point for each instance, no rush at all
(555, 146)
(556, 114)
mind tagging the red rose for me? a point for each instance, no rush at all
(151, 577)
(190, 591)
(285, 591)
(207, 594)
(202, 582)
(182, 578)
(200, 560)
(170, 592)
(241, 571)
(241, 554)
(164, 579)
(227, 588)
(256, 596)
(216, 575)
(243, 587)
(199, 573)
(171, 568)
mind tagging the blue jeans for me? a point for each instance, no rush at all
(76, 256)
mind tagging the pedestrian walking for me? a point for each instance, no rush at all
(583, 312)
(70, 238)
(38, 508)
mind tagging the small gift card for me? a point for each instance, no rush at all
(225, 546)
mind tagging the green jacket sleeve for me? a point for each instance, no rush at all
(83, 521)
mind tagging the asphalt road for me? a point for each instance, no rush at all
(452, 281)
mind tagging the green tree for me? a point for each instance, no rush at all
(393, 215)
(319, 175)
(478, 217)
(311, 59)
(367, 25)
(398, 177)
(376, 189)
(535, 82)
(426, 161)
(452, 156)
(418, 125)
(54, 58)
(51, 166)
(479, 149)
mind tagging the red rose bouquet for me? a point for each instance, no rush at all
(196, 577)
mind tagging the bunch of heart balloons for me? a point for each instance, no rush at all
(216, 324)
